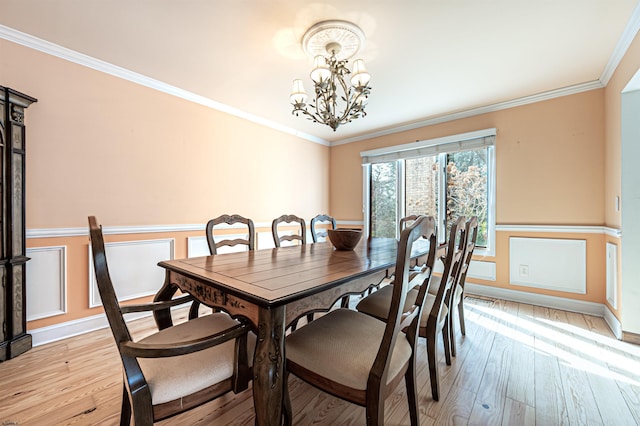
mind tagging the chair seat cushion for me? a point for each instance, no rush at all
(175, 377)
(435, 284)
(377, 304)
(342, 346)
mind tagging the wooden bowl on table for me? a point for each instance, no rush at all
(344, 239)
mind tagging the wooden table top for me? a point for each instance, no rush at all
(274, 277)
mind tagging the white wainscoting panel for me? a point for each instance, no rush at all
(554, 264)
(265, 240)
(197, 246)
(46, 282)
(612, 275)
(478, 269)
(482, 270)
(133, 266)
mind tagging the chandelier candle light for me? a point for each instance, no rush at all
(332, 43)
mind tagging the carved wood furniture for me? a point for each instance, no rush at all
(288, 218)
(457, 293)
(404, 221)
(356, 357)
(179, 367)
(317, 234)
(14, 339)
(435, 316)
(272, 288)
(250, 242)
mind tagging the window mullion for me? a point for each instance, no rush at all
(442, 197)
(366, 195)
(400, 194)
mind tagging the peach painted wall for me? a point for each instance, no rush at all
(132, 155)
(549, 167)
(549, 171)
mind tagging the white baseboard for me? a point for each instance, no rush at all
(56, 332)
(590, 308)
(53, 333)
(613, 322)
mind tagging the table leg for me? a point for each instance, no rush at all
(268, 367)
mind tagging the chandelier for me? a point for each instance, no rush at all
(331, 44)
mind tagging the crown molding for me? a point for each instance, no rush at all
(551, 94)
(632, 28)
(629, 33)
(53, 49)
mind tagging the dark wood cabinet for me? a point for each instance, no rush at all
(13, 259)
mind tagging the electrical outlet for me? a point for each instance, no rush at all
(524, 270)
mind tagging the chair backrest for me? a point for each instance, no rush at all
(471, 234)
(105, 286)
(407, 220)
(288, 218)
(452, 263)
(321, 218)
(250, 242)
(399, 319)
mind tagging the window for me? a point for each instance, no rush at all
(444, 178)
(384, 196)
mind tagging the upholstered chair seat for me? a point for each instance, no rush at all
(346, 338)
(377, 304)
(171, 378)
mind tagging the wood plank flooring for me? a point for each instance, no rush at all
(518, 365)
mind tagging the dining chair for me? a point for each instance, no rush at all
(457, 300)
(435, 315)
(322, 233)
(356, 357)
(316, 235)
(407, 220)
(288, 219)
(179, 367)
(401, 225)
(466, 245)
(250, 241)
(278, 239)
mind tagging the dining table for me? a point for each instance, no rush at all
(272, 288)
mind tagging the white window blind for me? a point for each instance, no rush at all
(448, 144)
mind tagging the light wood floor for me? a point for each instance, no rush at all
(518, 364)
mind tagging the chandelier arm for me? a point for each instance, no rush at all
(323, 100)
(347, 96)
(309, 115)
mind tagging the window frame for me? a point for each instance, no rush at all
(489, 250)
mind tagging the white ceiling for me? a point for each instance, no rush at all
(427, 58)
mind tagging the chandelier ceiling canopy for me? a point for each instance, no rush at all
(332, 44)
